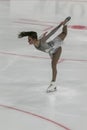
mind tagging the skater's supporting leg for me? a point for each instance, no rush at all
(55, 59)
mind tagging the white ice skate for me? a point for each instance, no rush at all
(66, 21)
(52, 87)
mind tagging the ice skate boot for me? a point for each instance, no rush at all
(52, 87)
(66, 21)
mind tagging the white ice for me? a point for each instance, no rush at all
(25, 73)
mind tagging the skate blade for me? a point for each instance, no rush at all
(68, 18)
(50, 91)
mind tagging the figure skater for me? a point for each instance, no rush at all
(53, 47)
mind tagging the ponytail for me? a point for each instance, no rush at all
(32, 34)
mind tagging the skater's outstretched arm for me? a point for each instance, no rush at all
(45, 37)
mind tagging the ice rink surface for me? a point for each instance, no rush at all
(25, 73)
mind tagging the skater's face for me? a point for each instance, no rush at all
(30, 40)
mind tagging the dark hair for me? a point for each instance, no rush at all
(32, 34)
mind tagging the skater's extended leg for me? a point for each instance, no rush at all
(63, 34)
